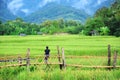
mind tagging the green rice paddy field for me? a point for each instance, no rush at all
(74, 45)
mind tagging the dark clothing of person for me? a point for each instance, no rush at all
(47, 51)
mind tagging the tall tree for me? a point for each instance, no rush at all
(111, 17)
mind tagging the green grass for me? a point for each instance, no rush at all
(20, 73)
(73, 45)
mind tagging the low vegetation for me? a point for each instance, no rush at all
(21, 73)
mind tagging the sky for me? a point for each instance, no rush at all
(28, 6)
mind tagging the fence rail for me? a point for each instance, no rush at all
(54, 56)
(67, 65)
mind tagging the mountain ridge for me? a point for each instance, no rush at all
(56, 11)
(11, 9)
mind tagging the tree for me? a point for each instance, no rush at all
(61, 23)
(2, 30)
(104, 30)
(111, 17)
(92, 26)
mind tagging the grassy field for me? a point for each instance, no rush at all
(73, 45)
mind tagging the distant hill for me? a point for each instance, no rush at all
(56, 11)
(40, 10)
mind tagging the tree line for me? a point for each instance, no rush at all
(106, 21)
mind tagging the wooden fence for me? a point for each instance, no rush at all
(60, 60)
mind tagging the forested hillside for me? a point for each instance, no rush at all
(54, 11)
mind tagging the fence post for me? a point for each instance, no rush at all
(63, 59)
(109, 56)
(59, 60)
(28, 59)
(114, 59)
(19, 60)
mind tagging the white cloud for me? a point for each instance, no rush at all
(44, 2)
(68, 0)
(15, 5)
(81, 4)
(25, 11)
(100, 1)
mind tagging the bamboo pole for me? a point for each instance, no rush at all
(109, 56)
(59, 60)
(114, 59)
(71, 65)
(56, 56)
(28, 59)
(19, 59)
(63, 59)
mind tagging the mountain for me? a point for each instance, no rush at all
(56, 11)
(29, 6)
(5, 13)
(10, 9)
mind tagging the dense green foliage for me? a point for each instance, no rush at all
(17, 26)
(106, 17)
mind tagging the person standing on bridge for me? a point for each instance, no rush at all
(47, 53)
